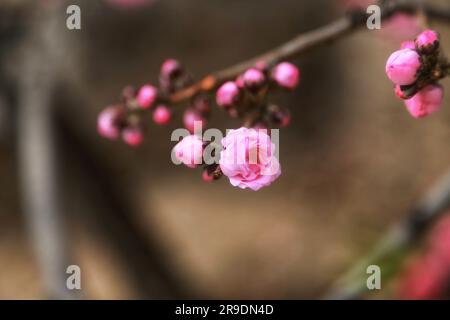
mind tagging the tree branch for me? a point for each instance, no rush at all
(305, 42)
(388, 252)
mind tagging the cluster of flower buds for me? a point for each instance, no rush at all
(249, 90)
(415, 70)
(245, 97)
(247, 158)
(428, 275)
(124, 119)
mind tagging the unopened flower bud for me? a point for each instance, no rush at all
(189, 151)
(147, 96)
(261, 65)
(171, 68)
(286, 75)
(253, 79)
(228, 94)
(426, 101)
(162, 114)
(191, 118)
(427, 41)
(133, 136)
(402, 66)
(109, 122)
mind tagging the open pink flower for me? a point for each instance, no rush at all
(189, 151)
(248, 159)
(402, 66)
(426, 101)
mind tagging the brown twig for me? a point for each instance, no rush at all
(305, 42)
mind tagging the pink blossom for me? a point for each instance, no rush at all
(190, 118)
(147, 96)
(402, 66)
(189, 151)
(426, 101)
(253, 78)
(423, 279)
(227, 94)
(132, 136)
(248, 159)
(108, 122)
(286, 75)
(162, 114)
(427, 41)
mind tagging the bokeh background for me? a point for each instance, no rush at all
(354, 162)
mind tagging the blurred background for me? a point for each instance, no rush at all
(354, 161)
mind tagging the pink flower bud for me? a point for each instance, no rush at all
(240, 81)
(108, 122)
(162, 114)
(427, 41)
(286, 75)
(402, 66)
(408, 45)
(261, 65)
(147, 96)
(191, 118)
(207, 177)
(399, 92)
(228, 94)
(170, 68)
(189, 151)
(132, 136)
(253, 79)
(426, 101)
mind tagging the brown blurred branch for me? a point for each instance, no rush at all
(305, 42)
(397, 242)
(38, 161)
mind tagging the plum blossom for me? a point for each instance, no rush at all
(248, 159)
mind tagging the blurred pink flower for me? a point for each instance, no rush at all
(426, 101)
(428, 276)
(400, 27)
